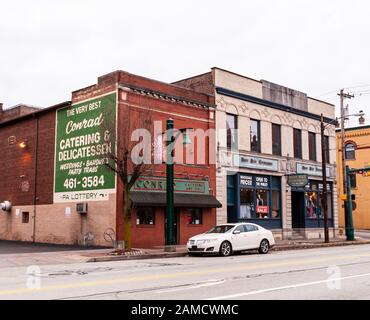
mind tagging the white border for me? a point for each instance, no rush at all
(55, 194)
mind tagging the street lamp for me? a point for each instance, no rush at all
(170, 216)
(324, 180)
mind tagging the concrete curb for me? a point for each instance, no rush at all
(183, 254)
(318, 245)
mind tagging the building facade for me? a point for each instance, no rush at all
(265, 133)
(357, 147)
(55, 172)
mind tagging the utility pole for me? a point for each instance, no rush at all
(343, 96)
(324, 148)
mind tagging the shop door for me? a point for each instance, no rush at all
(298, 213)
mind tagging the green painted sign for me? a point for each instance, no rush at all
(158, 184)
(298, 180)
(85, 139)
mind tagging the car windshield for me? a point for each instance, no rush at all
(221, 229)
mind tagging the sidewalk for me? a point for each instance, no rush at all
(181, 250)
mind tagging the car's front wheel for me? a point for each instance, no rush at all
(226, 249)
(264, 247)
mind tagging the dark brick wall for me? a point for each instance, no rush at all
(45, 158)
(202, 83)
(18, 165)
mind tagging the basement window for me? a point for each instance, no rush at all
(25, 217)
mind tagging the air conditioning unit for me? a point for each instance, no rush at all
(81, 208)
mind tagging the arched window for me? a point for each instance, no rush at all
(350, 151)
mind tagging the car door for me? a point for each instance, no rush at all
(238, 241)
(253, 237)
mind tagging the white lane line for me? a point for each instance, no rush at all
(201, 285)
(299, 285)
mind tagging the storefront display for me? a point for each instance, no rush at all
(255, 198)
(313, 215)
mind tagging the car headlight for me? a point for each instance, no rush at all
(206, 241)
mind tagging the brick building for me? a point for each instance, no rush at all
(60, 191)
(356, 152)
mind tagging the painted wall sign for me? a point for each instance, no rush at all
(158, 184)
(85, 137)
(311, 170)
(256, 163)
(298, 180)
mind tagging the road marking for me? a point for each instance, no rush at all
(256, 266)
(209, 283)
(299, 285)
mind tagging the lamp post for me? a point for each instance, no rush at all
(170, 194)
(169, 184)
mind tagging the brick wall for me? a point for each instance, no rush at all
(202, 83)
(50, 222)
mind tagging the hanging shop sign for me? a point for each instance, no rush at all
(311, 170)
(256, 163)
(85, 140)
(298, 180)
(158, 184)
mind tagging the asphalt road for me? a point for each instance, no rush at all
(330, 273)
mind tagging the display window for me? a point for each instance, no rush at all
(313, 200)
(259, 197)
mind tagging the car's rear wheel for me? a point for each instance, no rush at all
(264, 247)
(226, 249)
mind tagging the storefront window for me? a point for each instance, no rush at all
(145, 216)
(262, 203)
(194, 216)
(275, 210)
(311, 205)
(329, 206)
(313, 201)
(246, 204)
(260, 197)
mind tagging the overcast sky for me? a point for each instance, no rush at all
(50, 48)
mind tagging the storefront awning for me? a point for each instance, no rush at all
(158, 199)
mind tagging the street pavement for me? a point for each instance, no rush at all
(324, 273)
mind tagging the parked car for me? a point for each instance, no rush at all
(229, 238)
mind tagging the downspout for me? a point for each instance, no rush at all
(35, 181)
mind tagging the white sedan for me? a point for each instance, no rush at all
(228, 238)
